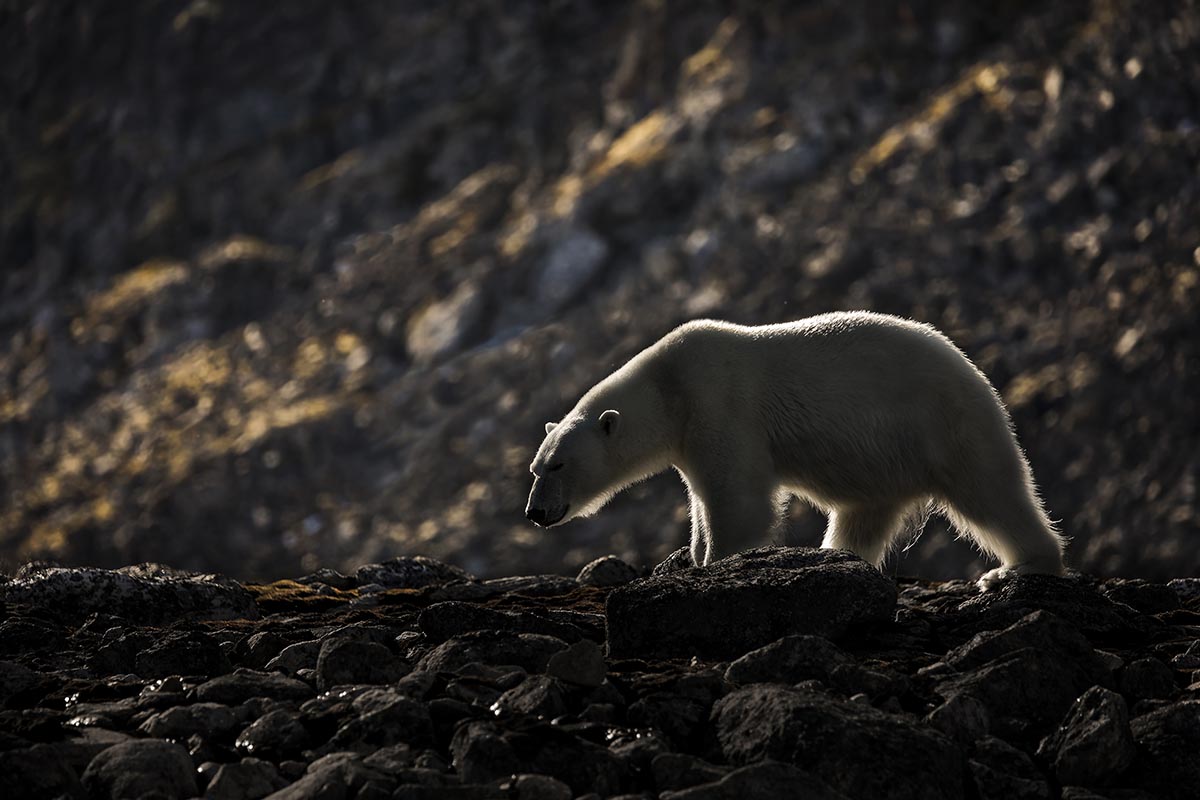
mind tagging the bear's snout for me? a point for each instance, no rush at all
(536, 515)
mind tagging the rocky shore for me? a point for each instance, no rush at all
(780, 672)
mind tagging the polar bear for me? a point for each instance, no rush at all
(872, 418)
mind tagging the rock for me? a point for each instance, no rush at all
(180, 722)
(1093, 745)
(530, 652)
(1086, 610)
(261, 648)
(674, 771)
(343, 661)
(275, 735)
(539, 787)
(532, 585)
(243, 684)
(191, 653)
(790, 659)
(581, 664)
(746, 601)
(144, 596)
(680, 559)
(385, 718)
(329, 577)
(1168, 743)
(445, 620)
(538, 695)
(248, 779)
(483, 752)
(410, 572)
(571, 261)
(135, 768)
(14, 680)
(1146, 597)
(606, 571)
(763, 781)
(1002, 772)
(1041, 631)
(442, 327)
(828, 737)
(1147, 679)
(39, 772)
(961, 717)
(295, 657)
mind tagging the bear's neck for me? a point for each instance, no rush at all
(652, 422)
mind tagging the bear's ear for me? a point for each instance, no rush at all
(609, 421)
(550, 426)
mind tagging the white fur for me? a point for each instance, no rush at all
(872, 418)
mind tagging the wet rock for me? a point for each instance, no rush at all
(410, 572)
(606, 571)
(343, 661)
(180, 722)
(1002, 772)
(445, 620)
(530, 652)
(140, 767)
(40, 772)
(190, 653)
(481, 753)
(827, 737)
(538, 695)
(248, 779)
(746, 601)
(581, 664)
(275, 735)
(243, 684)
(678, 716)
(763, 781)
(1093, 745)
(143, 596)
(1168, 744)
(675, 771)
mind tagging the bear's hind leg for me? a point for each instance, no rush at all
(866, 531)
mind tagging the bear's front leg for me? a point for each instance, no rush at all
(736, 513)
(700, 535)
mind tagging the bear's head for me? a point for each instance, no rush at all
(574, 468)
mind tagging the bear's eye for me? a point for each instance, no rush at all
(554, 467)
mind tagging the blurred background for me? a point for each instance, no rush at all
(297, 284)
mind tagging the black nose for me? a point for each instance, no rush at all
(536, 515)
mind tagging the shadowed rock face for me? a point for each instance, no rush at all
(746, 601)
(512, 689)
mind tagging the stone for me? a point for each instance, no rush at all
(248, 779)
(828, 738)
(1039, 630)
(680, 559)
(440, 328)
(1168, 744)
(539, 787)
(139, 595)
(572, 259)
(1093, 745)
(1002, 772)
(38, 772)
(191, 653)
(790, 659)
(275, 735)
(766, 780)
(531, 652)
(1146, 597)
(243, 684)
(344, 661)
(296, 657)
(746, 601)
(1083, 608)
(180, 722)
(961, 717)
(385, 718)
(410, 572)
(14, 680)
(1147, 679)
(605, 572)
(537, 695)
(139, 767)
(581, 664)
(445, 620)
(484, 752)
(675, 771)
(481, 753)
(261, 648)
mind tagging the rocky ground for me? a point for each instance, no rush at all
(780, 672)
(297, 285)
